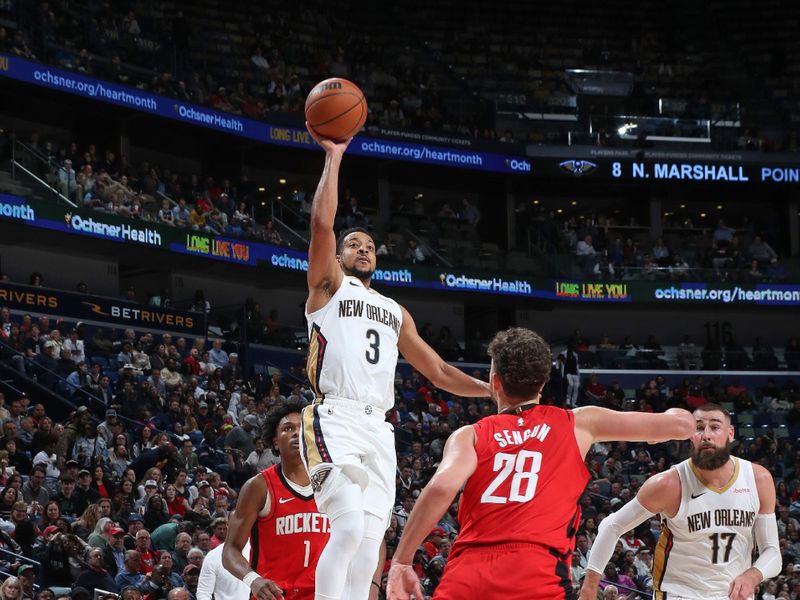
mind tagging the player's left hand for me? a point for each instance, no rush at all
(403, 582)
(743, 587)
(266, 589)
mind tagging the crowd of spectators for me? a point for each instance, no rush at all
(263, 63)
(717, 353)
(132, 488)
(604, 248)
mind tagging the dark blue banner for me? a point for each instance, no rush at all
(171, 108)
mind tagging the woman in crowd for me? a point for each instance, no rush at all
(11, 589)
(7, 499)
(51, 515)
(155, 512)
(144, 442)
(176, 504)
(86, 524)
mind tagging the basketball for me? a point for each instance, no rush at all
(336, 109)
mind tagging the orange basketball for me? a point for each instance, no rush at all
(336, 109)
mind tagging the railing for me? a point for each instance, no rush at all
(278, 214)
(63, 386)
(25, 560)
(28, 161)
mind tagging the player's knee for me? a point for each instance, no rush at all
(347, 531)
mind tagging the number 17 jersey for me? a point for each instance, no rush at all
(352, 346)
(527, 484)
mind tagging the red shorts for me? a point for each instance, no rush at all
(508, 571)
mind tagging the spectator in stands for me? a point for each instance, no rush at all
(130, 573)
(414, 252)
(723, 234)
(586, 253)
(11, 589)
(95, 576)
(33, 491)
(761, 251)
(218, 356)
(67, 179)
(47, 368)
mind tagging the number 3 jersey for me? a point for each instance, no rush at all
(709, 542)
(352, 346)
(527, 484)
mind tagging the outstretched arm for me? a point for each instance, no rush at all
(458, 463)
(660, 493)
(595, 424)
(324, 274)
(425, 360)
(253, 497)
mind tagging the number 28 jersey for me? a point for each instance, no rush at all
(527, 484)
(352, 346)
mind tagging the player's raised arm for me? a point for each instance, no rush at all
(252, 498)
(425, 360)
(660, 493)
(595, 424)
(324, 274)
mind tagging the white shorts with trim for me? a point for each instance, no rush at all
(345, 436)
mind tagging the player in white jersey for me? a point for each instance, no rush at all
(713, 508)
(355, 334)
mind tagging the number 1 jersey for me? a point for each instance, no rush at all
(527, 484)
(352, 346)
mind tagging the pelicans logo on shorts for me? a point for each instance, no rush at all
(319, 476)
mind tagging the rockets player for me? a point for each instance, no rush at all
(277, 513)
(524, 473)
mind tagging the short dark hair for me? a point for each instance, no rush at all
(274, 417)
(712, 406)
(344, 233)
(522, 360)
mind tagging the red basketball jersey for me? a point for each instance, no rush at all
(527, 484)
(285, 545)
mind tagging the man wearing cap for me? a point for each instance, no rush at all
(27, 576)
(135, 524)
(130, 574)
(208, 452)
(84, 493)
(242, 438)
(104, 428)
(114, 553)
(191, 575)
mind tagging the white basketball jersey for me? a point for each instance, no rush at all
(352, 346)
(709, 542)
